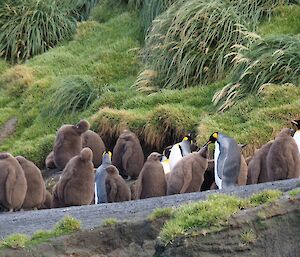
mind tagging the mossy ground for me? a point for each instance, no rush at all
(105, 50)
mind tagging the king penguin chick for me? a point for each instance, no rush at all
(152, 179)
(36, 189)
(13, 185)
(227, 158)
(100, 190)
(188, 174)
(116, 187)
(257, 167)
(283, 160)
(128, 155)
(180, 150)
(297, 133)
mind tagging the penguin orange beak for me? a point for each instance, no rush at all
(207, 143)
(294, 122)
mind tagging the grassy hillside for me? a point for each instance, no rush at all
(92, 77)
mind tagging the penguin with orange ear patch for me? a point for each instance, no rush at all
(100, 189)
(36, 189)
(13, 185)
(227, 158)
(68, 143)
(76, 185)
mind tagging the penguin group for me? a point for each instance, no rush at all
(91, 174)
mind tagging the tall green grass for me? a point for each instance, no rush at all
(187, 44)
(270, 60)
(31, 27)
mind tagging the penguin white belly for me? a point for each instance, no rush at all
(297, 139)
(166, 165)
(216, 156)
(96, 195)
(175, 155)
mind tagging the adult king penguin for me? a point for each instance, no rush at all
(297, 133)
(227, 159)
(179, 150)
(100, 189)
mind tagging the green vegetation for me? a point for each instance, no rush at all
(109, 222)
(294, 192)
(267, 196)
(159, 213)
(270, 60)
(66, 225)
(28, 28)
(92, 76)
(213, 214)
(248, 236)
(15, 241)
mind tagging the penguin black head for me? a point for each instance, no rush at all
(167, 151)
(297, 123)
(213, 138)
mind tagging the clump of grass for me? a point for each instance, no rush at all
(187, 44)
(41, 236)
(267, 196)
(284, 21)
(212, 213)
(159, 213)
(28, 28)
(16, 80)
(71, 95)
(14, 241)
(294, 192)
(109, 222)
(270, 60)
(248, 236)
(67, 225)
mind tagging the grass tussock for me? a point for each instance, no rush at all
(294, 192)
(66, 225)
(160, 213)
(212, 215)
(267, 196)
(15, 241)
(109, 222)
(270, 60)
(275, 107)
(248, 236)
(33, 28)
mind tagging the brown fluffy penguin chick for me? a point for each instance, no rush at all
(116, 187)
(68, 143)
(283, 158)
(257, 167)
(128, 155)
(49, 162)
(133, 190)
(95, 143)
(36, 189)
(152, 179)
(76, 185)
(13, 183)
(48, 201)
(242, 178)
(188, 174)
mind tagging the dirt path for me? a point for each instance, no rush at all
(92, 216)
(8, 128)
